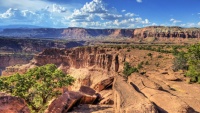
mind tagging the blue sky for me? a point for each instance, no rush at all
(100, 13)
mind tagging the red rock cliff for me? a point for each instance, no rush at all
(166, 32)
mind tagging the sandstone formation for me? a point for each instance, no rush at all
(10, 104)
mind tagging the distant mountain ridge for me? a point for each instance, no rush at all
(85, 33)
(19, 26)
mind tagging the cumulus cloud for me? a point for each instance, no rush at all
(94, 14)
(42, 17)
(17, 14)
(97, 14)
(139, 1)
(174, 21)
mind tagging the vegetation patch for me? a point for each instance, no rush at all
(38, 86)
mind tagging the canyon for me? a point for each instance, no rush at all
(98, 71)
(96, 59)
(21, 51)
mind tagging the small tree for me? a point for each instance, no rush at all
(37, 86)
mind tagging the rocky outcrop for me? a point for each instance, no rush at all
(79, 58)
(10, 104)
(159, 94)
(129, 100)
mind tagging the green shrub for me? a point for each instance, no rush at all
(194, 63)
(150, 55)
(180, 62)
(128, 70)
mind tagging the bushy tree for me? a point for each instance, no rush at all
(37, 86)
(194, 63)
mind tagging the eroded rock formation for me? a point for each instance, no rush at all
(159, 89)
(166, 32)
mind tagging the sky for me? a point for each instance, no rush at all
(100, 14)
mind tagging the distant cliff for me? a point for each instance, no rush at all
(83, 33)
(166, 32)
(66, 33)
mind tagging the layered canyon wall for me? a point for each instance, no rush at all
(83, 33)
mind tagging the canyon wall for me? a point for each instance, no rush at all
(166, 32)
(83, 33)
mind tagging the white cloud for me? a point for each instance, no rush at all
(94, 14)
(17, 14)
(96, 6)
(183, 25)
(107, 16)
(191, 24)
(123, 10)
(42, 17)
(154, 24)
(129, 14)
(198, 24)
(174, 21)
(139, 1)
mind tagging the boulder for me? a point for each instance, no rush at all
(64, 102)
(106, 97)
(88, 95)
(11, 104)
(104, 84)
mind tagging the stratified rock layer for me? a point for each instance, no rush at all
(166, 32)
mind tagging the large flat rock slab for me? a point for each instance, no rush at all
(128, 100)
